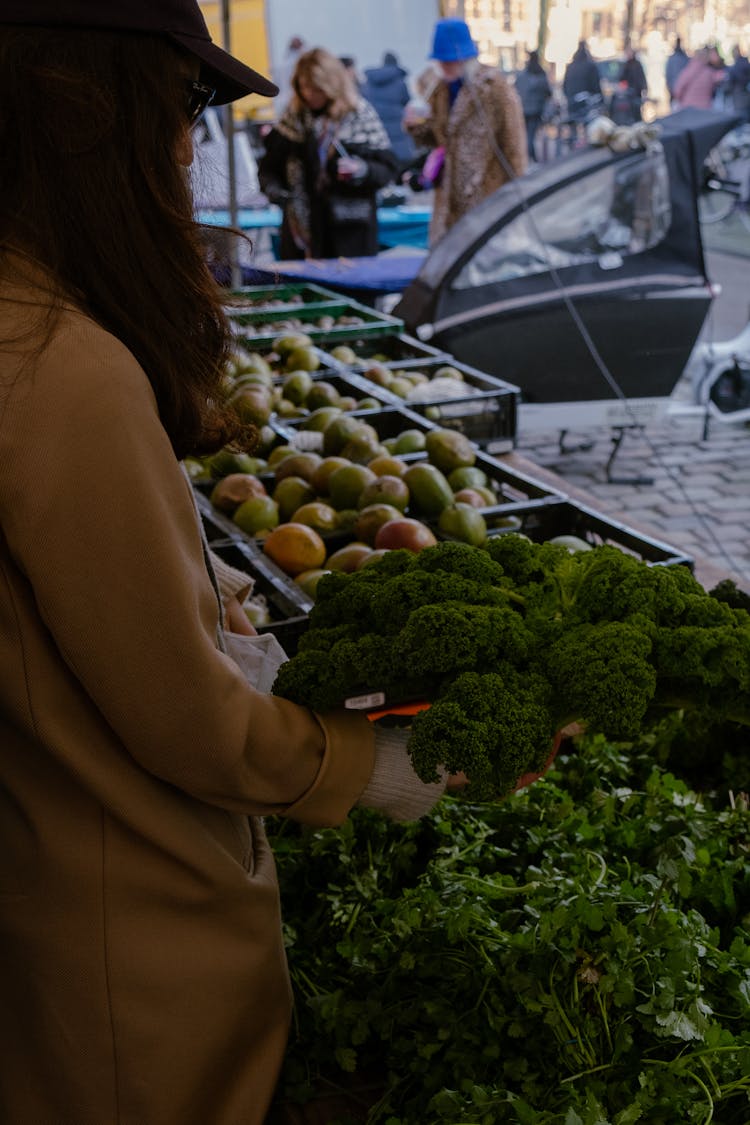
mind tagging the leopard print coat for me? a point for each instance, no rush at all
(487, 108)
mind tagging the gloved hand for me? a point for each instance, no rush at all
(394, 787)
(351, 169)
(277, 194)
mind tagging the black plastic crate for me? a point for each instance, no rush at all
(347, 384)
(486, 412)
(217, 527)
(287, 604)
(389, 420)
(393, 350)
(567, 517)
(514, 486)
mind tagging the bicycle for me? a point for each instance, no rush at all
(570, 122)
(725, 188)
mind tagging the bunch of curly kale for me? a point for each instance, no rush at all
(512, 641)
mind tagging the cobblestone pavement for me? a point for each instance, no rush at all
(699, 500)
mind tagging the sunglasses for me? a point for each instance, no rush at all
(198, 98)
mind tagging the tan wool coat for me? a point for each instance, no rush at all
(142, 972)
(486, 113)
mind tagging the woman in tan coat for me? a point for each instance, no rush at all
(473, 118)
(142, 971)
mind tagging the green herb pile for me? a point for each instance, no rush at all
(513, 641)
(576, 955)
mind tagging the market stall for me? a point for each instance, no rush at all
(517, 912)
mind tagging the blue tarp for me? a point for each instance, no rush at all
(365, 277)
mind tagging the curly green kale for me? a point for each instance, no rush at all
(455, 637)
(394, 600)
(601, 674)
(522, 560)
(306, 679)
(728, 591)
(604, 585)
(324, 678)
(367, 665)
(324, 638)
(603, 636)
(381, 597)
(494, 727)
(706, 668)
(461, 559)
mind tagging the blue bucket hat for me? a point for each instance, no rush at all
(453, 42)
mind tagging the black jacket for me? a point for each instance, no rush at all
(385, 89)
(331, 237)
(633, 73)
(533, 89)
(581, 77)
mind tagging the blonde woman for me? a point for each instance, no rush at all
(324, 162)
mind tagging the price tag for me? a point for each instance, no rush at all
(365, 702)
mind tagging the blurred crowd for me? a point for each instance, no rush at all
(459, 129)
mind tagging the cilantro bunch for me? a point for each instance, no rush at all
(577, 955)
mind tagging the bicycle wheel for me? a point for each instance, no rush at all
(743, 211)
(715, 200)
(714, 204)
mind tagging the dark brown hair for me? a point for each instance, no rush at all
(91, 188)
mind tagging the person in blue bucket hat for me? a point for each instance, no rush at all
(452, 41)
(471, 119)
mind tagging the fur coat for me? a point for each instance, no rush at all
(322, 216)
(486, 113)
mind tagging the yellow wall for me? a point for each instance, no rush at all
(248, 42)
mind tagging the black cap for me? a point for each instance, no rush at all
(180, 20)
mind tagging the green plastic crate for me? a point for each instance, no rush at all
(283, 298)
(265, 328)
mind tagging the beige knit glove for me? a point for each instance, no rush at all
(232, 583)
(394, 787)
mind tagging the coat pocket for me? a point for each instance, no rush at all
(349, 210)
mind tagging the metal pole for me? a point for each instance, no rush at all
(234, 265)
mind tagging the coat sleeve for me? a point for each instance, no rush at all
(99, 518)
(684, 79)
(509, 126)
(374, 149)
(272, 167)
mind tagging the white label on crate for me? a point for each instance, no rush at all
(632, 412)
(365, 702)
(458, 410)
(501, 445)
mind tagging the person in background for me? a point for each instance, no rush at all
(283, 75)
(534, 90)
(143, 974)
(697, 84)
(350, 66)
(676, 63)
(633, 76)
(581, 86)
(474, 116)
(737, 85)
(386, 90)
(324, 162)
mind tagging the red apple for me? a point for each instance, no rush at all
(470, 496)
(411, 534)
